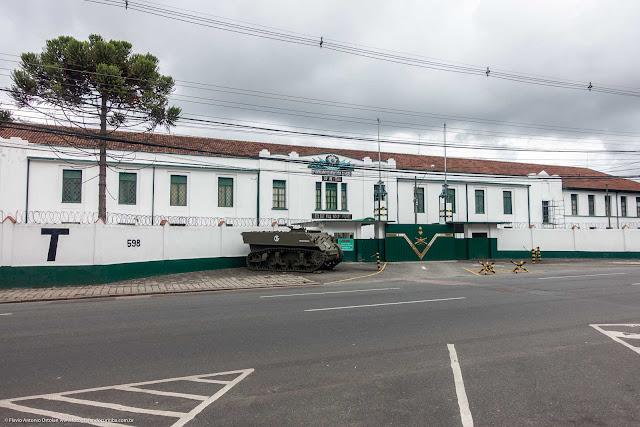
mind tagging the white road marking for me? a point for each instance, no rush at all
(162, 393)
(118, 407)
(212, 399)
(635, 284)
(582, 275)
(183, 417)
(386, 303)
(206, 380)
(424, 268)
(6, 314)
(57, 415)
(617, 335)
(328, 292)
(463, 402)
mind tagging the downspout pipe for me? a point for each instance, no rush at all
(617, 212)
(258, 200)
(26, 202)
(528, 205)
(153, 196)
(466, 197)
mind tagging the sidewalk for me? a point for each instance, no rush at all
(174, 283)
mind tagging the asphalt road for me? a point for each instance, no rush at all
(527, 354)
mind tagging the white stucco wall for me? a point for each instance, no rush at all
(600, 240)
(98, 244)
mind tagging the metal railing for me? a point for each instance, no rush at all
(76, 217)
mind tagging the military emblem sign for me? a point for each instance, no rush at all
(420, 241)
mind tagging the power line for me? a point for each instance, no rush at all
(364, 120)
(85, 136)
(372, 53)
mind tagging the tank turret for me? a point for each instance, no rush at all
(296, 250)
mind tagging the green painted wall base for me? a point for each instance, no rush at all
(35, 277)
(364, 250)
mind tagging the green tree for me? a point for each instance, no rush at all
(96, 79)
(5, 116)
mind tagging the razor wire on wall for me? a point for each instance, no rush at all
(75, 217)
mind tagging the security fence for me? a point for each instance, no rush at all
(569, 225)
(76, 217)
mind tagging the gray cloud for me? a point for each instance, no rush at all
(578, 40)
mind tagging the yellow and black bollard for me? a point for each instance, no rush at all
(487, 267)
(519, 266)
(533, 256)
(378, 259)
(539, 254)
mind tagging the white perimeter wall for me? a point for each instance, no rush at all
(625, 240)
(99, 244)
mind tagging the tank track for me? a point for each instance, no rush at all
(285, 259)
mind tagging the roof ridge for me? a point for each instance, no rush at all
(408, 161)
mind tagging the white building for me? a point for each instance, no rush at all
(200, 179)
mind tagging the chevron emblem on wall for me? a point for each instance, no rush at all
(420, 241)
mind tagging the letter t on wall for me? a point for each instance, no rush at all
(53, 243)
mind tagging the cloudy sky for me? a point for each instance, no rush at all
(580, 40)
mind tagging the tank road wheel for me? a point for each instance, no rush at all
(254, 260)
(300, 263)
(317, 259)
(277, 263)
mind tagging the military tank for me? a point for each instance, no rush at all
(298, 250)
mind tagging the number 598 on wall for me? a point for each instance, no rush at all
(133, 243)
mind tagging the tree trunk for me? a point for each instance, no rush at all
(102, 163)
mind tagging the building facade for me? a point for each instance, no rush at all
(41, 174)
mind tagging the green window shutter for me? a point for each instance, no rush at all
(479, 201)
(279, 194)
(420, 198)
(71, 186)
(318, 196)
(225, 192)
(127, 188)
(331, 196)
(592, 205)
(343, 196)
(178, 194)
(379, 192)
(507, 202)
(452, 199)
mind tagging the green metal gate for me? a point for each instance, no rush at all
(420, 242)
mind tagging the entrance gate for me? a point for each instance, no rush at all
(420, 242)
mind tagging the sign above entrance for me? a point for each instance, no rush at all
(331, 178)
(330, 216)
(331, 165)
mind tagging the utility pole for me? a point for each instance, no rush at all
(379, 192)
(446, 185)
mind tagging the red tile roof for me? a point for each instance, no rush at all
(572, 177)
